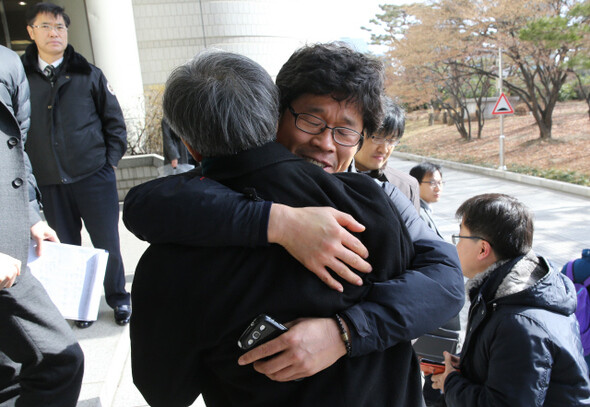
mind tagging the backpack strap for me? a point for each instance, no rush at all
(569, 271)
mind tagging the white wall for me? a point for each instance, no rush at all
(170, 33)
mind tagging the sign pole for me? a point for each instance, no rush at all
(502, 166)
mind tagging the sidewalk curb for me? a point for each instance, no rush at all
(116, 369)
(511, 176)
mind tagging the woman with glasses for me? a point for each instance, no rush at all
(371, 159)
(429, 176)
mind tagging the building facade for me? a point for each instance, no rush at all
(138, 42)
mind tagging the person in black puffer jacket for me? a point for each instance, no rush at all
(522, 346)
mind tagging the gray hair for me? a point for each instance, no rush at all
(222, 103)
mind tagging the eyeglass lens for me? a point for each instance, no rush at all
(382, 140)
(314, 125)
(60, 28)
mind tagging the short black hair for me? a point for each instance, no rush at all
(421, 170)
(502, 220)
(394, 120)
(337, 70)
(49, 8)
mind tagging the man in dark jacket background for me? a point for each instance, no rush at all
(76, 140)
(522, 346)
(41, 363)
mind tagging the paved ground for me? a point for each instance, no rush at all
(562, 222)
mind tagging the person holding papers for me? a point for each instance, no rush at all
(41, 362)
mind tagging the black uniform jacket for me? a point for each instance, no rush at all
(77, 125)
(214, 293)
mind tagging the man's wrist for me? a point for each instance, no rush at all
(274, 228)
(344, 334)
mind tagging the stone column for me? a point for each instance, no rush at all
(114, 45)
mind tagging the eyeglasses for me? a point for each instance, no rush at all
(390, 142)
(456, 238)
(59, 28)
(433, 184)
(311, 124)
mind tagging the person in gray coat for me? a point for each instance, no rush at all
(41, 362)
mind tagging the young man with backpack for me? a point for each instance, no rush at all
(579, 272)
(522, 346)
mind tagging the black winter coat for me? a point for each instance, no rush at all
(217, 291)
(77, 125)
(522, 346)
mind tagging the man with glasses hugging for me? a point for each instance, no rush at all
(330, 96)
(76, 140)
(371, 159)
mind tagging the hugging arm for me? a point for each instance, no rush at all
(395, 310)
(418, 301)
(193, 210)
(185, 209)
(425, 297)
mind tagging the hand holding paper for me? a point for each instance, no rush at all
(41, 231)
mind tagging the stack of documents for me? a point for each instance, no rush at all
(72, 276)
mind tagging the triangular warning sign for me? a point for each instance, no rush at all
(503, 106)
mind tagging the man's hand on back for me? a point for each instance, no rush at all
(309, 346)
(318, 238)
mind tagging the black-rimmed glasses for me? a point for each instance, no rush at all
(455, 238)
(311, 124)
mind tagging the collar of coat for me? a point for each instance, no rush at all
(72, 63)
(243, 162)
(524, 274)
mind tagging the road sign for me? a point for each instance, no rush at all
(503, 106)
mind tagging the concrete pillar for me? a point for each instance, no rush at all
(114, 45)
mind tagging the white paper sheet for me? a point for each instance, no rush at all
(72, 276)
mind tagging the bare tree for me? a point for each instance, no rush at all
(538, 38)
(429, 55)
(145, 136)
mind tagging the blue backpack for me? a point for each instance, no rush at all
(583, 308)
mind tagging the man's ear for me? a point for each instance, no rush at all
(486, 252)
(31, 32)
(196, 155)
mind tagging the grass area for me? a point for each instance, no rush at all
(563, 158)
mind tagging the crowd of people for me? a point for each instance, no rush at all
(292, 212)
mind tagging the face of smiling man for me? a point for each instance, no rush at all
(321, 149)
